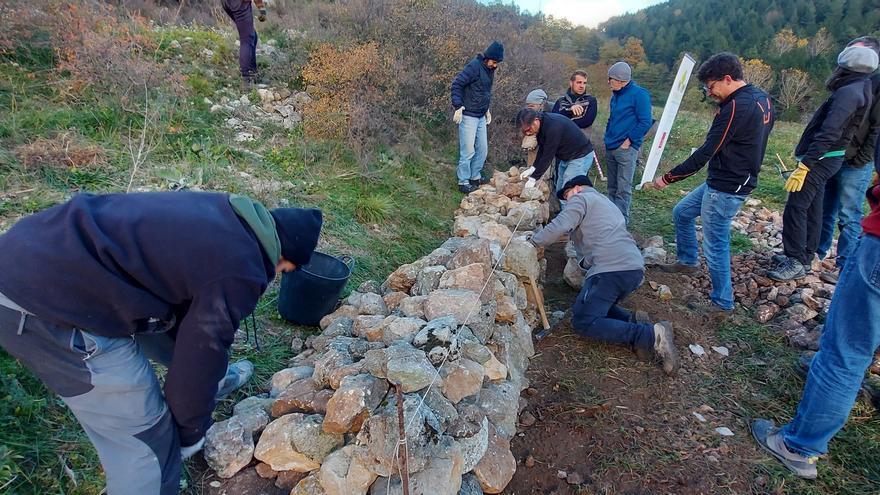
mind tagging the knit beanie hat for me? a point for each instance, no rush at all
(298, 230)
(536, 97)
(579, 180)
(494, 52)
(620, 71)
(859, 59)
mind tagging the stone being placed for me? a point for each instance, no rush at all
(296, 442)
(229, 446)
(353, 402)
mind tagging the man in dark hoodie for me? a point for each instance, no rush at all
(82, 282)
(844, 195)
(471, 96)
(820, 154)
(577, 104)
(733, 149)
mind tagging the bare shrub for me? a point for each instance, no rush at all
(794, 88)
(65, 151)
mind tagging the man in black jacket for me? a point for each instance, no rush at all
(471, 96)
(845, 191)
(820, 153)
(558, 137)
(577, 104)
(734, 149)
(81, 282)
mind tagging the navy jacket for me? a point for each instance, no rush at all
(630, 116)
(121, 264)
(861, 149)
(559, 138)
(836, 120)
(735, 144)
(472, 88)
(563, 107)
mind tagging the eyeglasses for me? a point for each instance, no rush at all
(707, 88)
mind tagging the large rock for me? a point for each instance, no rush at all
(392, 300)
(353, 402)
(403, 278)
(428, 280)
(507, 310)
(282, 379)
(342, 474)
(338, 374)
(500, 402)
(472, 250)
(441, 476)
(654, 255)
(472, 277)
(229, 446)
(461, 378)
(297, 397)
(413, 306)
(341, 327)
(373, 304)
(377, 441)
(494, 232)
(495, 369)
(496, 468)
(466, 226)
(401, 364)
(474, 447)
(296, 442)
(310, 485)
(521, 259)
(253, 413)
(402, 329)
(366, 325)
(459, 303)
(342, 311)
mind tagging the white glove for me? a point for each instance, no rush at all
(529, 171)
(488, 117)
(187, 452)
(529, 142)
(456, 117)
(530, 182)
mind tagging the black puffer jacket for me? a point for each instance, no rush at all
(472, 88)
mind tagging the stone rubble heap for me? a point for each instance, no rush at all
(451, 333)
(277, 105)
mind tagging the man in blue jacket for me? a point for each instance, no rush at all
(629, 121)
(81, 283)
(734, 150)
(471, 96)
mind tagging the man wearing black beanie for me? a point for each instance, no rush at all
(614, 269)
(90, 289)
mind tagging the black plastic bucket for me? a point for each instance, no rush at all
(312, 291)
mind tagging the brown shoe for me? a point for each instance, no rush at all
(679, 268)
(664, 346)
(706, 307)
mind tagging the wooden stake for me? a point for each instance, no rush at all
(782, 163)
(539, 301)
(401, 435)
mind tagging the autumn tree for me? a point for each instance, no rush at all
(794, 87)
(760, 74)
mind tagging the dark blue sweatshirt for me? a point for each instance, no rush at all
(109, 264)
(472, 88)
(630, 116)
(559, 137)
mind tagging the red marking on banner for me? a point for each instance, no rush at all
(662, 139)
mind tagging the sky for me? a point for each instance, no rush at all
(587, 12)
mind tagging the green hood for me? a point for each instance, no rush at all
(261, 223)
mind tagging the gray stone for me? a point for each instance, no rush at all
(800, 313)
(373, 304)
(333, 358)
(402, 329)
(500, 401)
(229, 447)
(476, 352)
(470, 485)
(401, 364)
(428, 280)
(413, 306)
(654, 255)
(521, 259)
(440, 476)
(378, 439)
(472, 250)
(282, 379)
(473, 448)
(253, 413)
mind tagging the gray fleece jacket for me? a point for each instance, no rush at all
(598, 231)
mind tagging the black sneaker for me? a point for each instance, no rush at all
(466, 188)
(778, 258)
(769, 437)
(478, 182)
(789, 269)
(679, 268)
(707, 307)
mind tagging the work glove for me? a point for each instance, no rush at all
(529, 143)
(530, 182)
(796, 180)
(456, 117)
(187, 452)
(529, 171)
(261, 15)
(488, 117)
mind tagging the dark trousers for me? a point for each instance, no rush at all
(597, 315)
(802, 218)
(241, 12)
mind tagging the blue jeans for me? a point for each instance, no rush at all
(846, 349)
(473, 147)
(842, 203)
(597, 315)
(569, 169)
(621, 165)
(716, 209)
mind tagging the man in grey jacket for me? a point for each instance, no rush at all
(615, 268)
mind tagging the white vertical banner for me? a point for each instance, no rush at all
(668, 117)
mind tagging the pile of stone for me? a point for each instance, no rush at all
(278, 106)
(451, 331)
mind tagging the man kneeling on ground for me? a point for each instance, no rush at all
(615, 268)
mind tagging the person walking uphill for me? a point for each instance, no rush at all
(557, 137)
(629, 121)
(734, 149)
(615, 268)
(820, 154)
(241, 13)
(86, 286)
(471, 97)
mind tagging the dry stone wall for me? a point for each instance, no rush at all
(452, 330)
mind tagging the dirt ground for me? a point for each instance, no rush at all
(620, 425)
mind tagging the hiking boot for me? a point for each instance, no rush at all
(664, 346)
(467, 188)
(643, 354)
(769, 437)
(707, 307)
(778, 258)
(478, 182)
(789, 269)
(679, 268)
(237, 374)
(830, 277)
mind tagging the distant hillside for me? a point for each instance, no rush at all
(746, 27)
